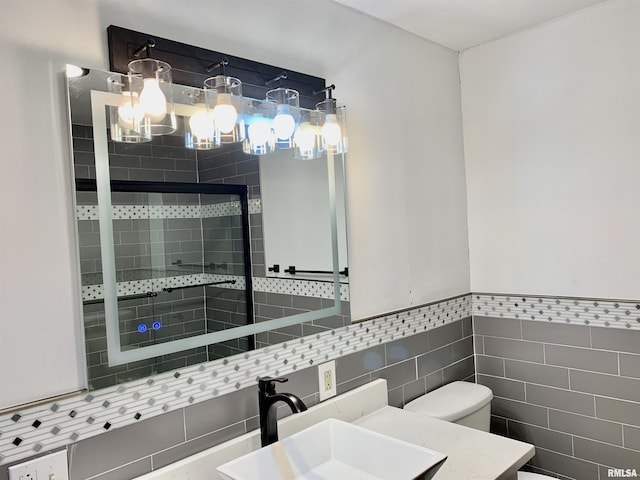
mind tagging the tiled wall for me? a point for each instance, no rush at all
(411, 366)
(571, 390)
(415, 350)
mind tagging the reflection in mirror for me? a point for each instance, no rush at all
(173, 240)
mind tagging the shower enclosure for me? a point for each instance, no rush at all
(182, 269)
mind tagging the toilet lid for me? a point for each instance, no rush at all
(452, 401)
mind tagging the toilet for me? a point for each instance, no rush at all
(464, 403)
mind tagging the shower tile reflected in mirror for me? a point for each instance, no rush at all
(165, 240)
(180, 272)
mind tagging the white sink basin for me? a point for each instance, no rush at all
(336, 450)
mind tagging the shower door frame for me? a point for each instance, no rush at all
(115, 354)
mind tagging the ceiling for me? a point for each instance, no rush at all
(461, 24)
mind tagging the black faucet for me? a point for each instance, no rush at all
(267, 399)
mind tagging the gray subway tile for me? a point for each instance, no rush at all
(497, 327)
(564, 465)
(536, 373)
(407, 347)
(444, 335)
(493, 366)
(478, 344)
(359, 363)
(435, 360)
(616, 339)
(630, 365)
(604, 453)
(540, 437)
(582, 358)
(502, 387)
(605, 385)
(520, 411)
(584, 426)
(196, 445)
(396, 398)
(577, 335)
(220, 412)
(498, 426)
(110, 450)
(631, 437)
(353, 383)
(302, 382)
(397, 374)
(467, 326)
(515, 349)
(462, 348)
(459, 371)
(560, 399)
(132, 470)
(434, 380)
(414, 389)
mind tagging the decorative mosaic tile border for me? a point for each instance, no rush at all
(137, 212)
(573, 311)
(303, 288)
(52, 425)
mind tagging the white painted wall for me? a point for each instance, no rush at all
(405, 173)
(552, 141)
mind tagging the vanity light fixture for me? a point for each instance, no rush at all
(224, 95)
(287, 103)
(154, 92)
(334, 134)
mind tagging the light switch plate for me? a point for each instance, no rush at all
(50, 467)
(327, 380)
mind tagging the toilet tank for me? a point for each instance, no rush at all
(464, 403)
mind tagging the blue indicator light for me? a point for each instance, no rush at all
(156, 325)
(142, 328)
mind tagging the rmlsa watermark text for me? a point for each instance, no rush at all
(622, 473)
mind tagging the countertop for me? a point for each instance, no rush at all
(472, 454)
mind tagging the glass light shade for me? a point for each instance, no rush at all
(155, 93)
(307, 137)
(199, 129)
(127, 121)
(334, 127)
(287, 114)
(225, 114)
(224, 96)
(260, 137)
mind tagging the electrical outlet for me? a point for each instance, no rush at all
(50, 467)
(327, 380)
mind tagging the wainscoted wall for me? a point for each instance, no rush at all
(149, 423)
(571, 389)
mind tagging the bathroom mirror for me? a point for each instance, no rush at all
(176, 244)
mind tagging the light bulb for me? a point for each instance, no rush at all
(331, 131)
(284, 125)
(225, 114)
(153, 100)
(305, 137)
(130, 112)
(259, 131)
(201, 124)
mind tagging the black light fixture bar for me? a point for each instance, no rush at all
(189, 65)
